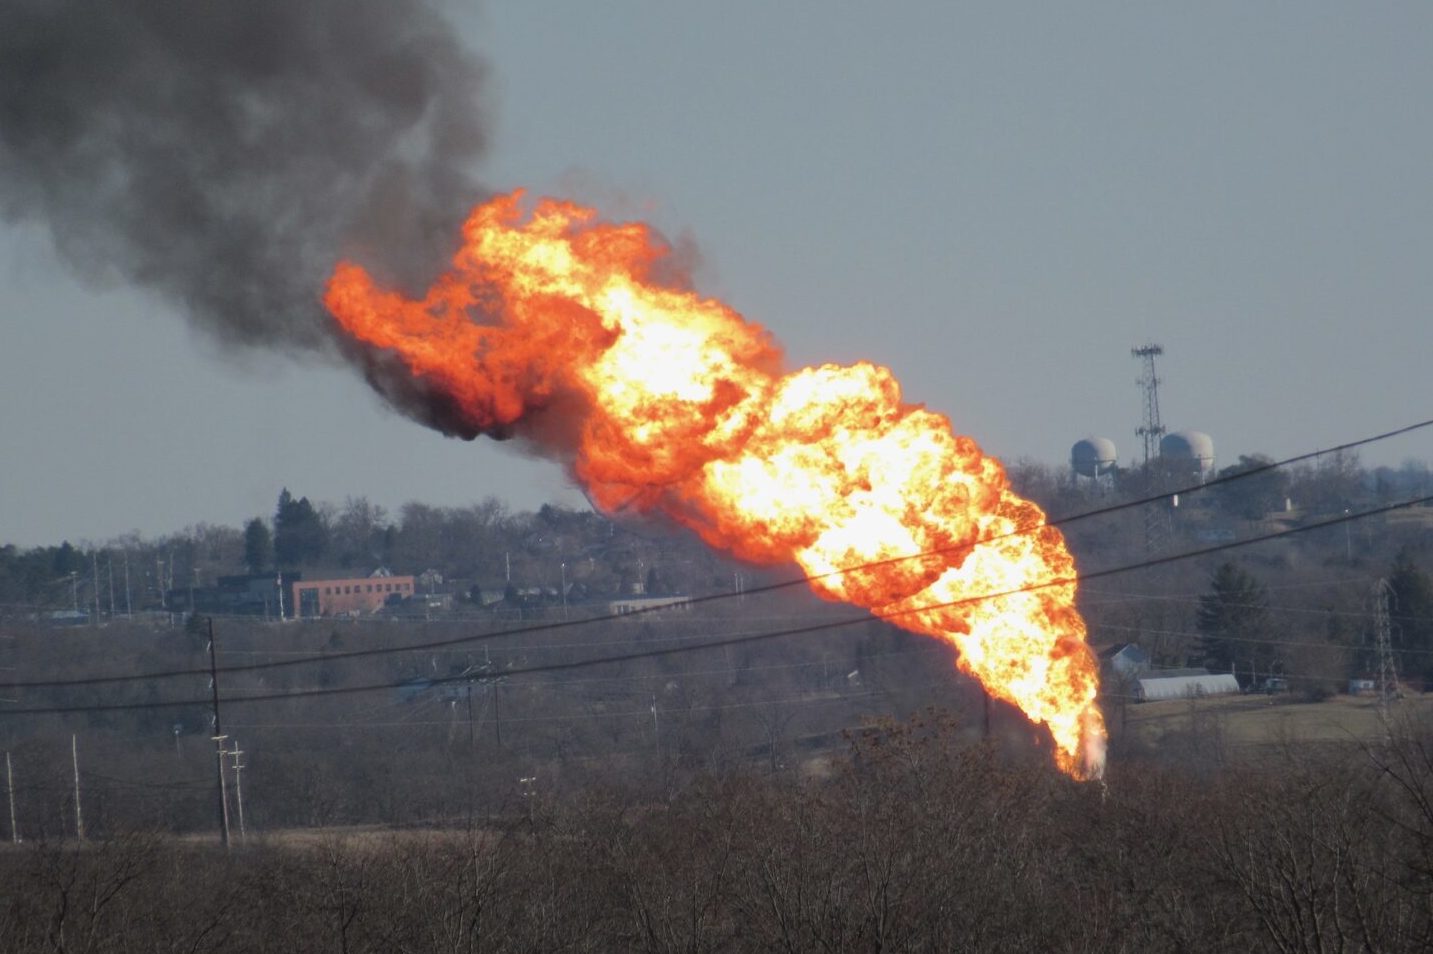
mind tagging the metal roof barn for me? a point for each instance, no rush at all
(1152, 688)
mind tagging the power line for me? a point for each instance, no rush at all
(1252, 640)
(642, 712)
(753, 638)
(196, 785)
(1240, 475)
(930, 647)
(1321, 611)
(1111, 596)
(772, 587)
(757, 637)
(702, 622)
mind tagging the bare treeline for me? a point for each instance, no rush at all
(912, 844)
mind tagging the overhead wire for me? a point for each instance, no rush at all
(1258, 640)
(929, 647)
(748, 639)
(1334, 521)
(769, 587)
(583, 716)
(1322, 611)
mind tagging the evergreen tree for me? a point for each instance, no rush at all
(299, 534)
(66, 560)
(258, 545)
(1254, 496)
(1232, 620)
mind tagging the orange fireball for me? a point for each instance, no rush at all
(556, 324)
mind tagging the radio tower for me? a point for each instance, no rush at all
(1151, 431)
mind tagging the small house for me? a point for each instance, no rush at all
(1124, 659)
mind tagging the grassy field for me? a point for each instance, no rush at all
(1258, 720)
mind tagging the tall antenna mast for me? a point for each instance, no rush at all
(1151, 430)
(1155, 519)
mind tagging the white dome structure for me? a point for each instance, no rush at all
(1191, 451)
(1093, 457)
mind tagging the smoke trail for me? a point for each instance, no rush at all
(224, 155)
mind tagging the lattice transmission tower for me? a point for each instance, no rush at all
(1383, 647)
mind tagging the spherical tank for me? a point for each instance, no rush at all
(1195, 447)
(1093, 456)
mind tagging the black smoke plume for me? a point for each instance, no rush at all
(225, 153)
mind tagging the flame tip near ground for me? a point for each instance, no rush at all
(680, 405)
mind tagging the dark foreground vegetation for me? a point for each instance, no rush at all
(912, 843)
(508, 764)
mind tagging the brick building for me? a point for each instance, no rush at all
(348, 597)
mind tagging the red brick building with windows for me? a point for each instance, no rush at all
(368, 594)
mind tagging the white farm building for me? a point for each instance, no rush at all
(1185, 683)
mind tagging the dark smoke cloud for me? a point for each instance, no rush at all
(224, 153)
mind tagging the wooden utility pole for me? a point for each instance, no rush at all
(95, 564)
(239, 767)
(218, 738)
(10, 786)
(497, 710)
(79, 815)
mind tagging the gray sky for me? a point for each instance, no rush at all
(996, 200)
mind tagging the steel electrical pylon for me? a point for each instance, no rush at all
(1383, 647)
